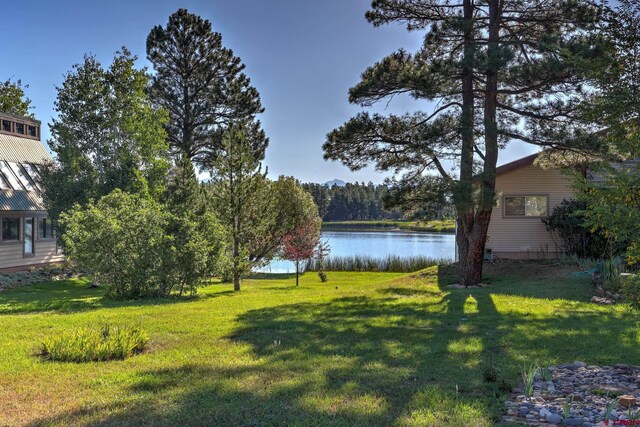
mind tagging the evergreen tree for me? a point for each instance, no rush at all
(195, 243)
(242, 199)
(13, 99)
(202, 86)
(498, 70)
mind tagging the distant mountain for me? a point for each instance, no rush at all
(338, 182)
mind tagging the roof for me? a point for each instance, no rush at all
(14, 200)
(525, 161)
(22, 150)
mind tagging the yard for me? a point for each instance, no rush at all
(362, 349)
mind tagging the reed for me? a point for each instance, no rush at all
(391, 263)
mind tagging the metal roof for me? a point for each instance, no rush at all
(11, 200)
(22, 150)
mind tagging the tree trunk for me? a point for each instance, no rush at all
(236, 281)
(297, 271)
(471, 237)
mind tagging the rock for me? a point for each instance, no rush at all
(627, 400)
(574, 421)
(529, 416)
(614, 414)
(580, 364)
(544, 412)
(602, 300)
(553, 419)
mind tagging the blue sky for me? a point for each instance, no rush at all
(301, 55)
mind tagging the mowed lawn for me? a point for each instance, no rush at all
(361, 349)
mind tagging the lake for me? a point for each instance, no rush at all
(379, 243)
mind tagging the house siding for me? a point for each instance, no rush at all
(526, 237)
(46, 251)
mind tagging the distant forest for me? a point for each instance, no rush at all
(351, 202)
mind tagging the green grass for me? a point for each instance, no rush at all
(438, 226)
(361, 349)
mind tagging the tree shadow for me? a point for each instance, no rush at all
(70, 296)
(369, 361)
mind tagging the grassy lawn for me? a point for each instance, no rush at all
(362, 349)
(439, 226)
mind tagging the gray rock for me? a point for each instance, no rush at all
(544, 412)
(553, 419)
(574, 421)
(579, 364)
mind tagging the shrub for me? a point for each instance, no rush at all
(86, 345)
(631, 290)
(567, 220)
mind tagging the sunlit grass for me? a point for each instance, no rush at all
(361, 349)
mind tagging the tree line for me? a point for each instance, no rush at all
(365, 202)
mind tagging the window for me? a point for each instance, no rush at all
(6, 125)
(32, 131)
(535, 206)
(4, 185)
(9, 176)
(10, 229)
(20, 128)
(45, 228)
(22, 176)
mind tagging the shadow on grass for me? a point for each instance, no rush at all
(74, 295)
(372, 361)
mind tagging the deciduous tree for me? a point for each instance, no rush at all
(106, 136)
(299, 244)
(13, 99)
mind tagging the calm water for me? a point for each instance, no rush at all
(379, 243)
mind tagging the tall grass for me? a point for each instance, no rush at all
(391, 263)
(87, 345)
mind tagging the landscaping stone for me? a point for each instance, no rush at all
(627, 400)
(589, 388)
(553, 419)
(44, 274)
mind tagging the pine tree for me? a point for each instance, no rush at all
(495, 71)
(202, 86)
(242, 200)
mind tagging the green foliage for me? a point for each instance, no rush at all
(195, 246)
(545, 373)
(95, 345)
(202, 86)
(13, 99)
(614, 198)
(609, 409)
(567, 220)
(243, 200)
(106, 136)
(566, 407)
(121, 241)
(630, 288)
(322, 251)
(391, 263)
(353, 201)
(528, 374)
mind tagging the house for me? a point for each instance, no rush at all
(525, 194)
(27, 236)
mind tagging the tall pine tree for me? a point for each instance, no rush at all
(202, 86)
(494, 71)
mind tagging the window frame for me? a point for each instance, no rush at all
(525, 216)
(38, 218)
(11, 241)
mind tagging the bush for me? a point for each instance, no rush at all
(120, 240)
(631, 290)
(87, 345)
(567, 220)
